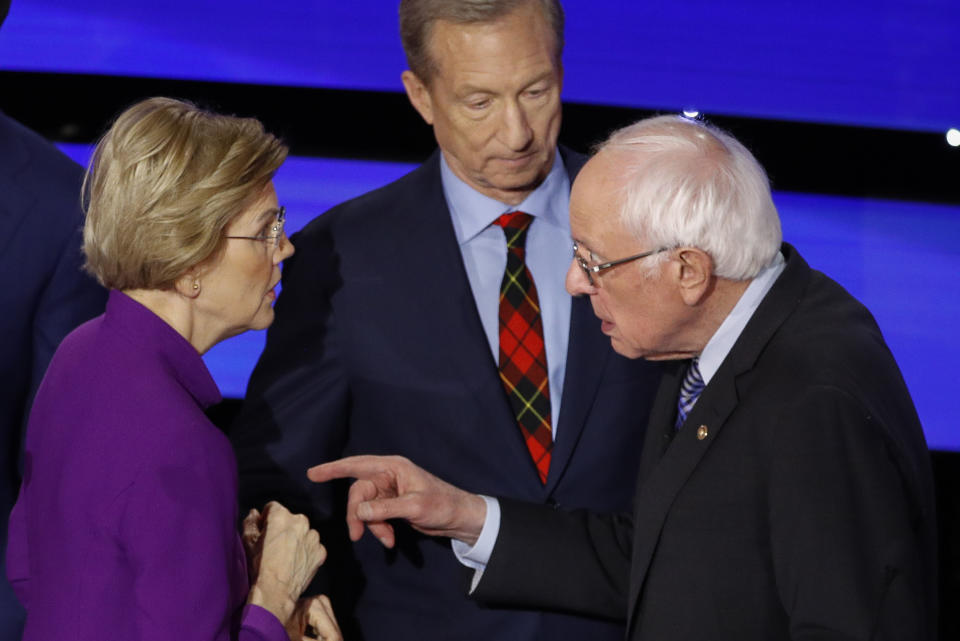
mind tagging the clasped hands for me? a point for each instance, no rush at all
(283, 555)
(391, 487)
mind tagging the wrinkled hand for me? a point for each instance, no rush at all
(251, 536)
(313, 620)
(286, 554)
(391, 487)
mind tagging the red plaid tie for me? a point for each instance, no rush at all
(523, 356)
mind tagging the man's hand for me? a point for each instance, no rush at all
(391, 487)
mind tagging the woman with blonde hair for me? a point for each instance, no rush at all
(125, 526)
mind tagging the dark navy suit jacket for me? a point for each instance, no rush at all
(377, 348)
(45, 295)
(795, 502)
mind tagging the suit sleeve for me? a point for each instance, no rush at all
(844, 528)
(18, 556)
(550, 559)
(258, 624)
(295, 412)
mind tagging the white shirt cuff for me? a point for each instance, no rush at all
(478, 555)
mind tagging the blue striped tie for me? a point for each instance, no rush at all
(689, 392)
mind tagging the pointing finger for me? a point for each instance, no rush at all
(351, 467)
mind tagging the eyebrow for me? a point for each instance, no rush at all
(273, 211)
(548, 75)
(588, 249)
(470, 89)
(581, 243)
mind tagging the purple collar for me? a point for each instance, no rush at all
(139, 325)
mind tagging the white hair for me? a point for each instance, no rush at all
(689, 184)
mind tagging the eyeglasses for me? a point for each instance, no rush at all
(590, 270)
(276, 230)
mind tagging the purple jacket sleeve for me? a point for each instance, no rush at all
(258, 624)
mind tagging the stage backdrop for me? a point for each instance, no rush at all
(884, 63)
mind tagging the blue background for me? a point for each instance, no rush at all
(880, 63)
(885, 63)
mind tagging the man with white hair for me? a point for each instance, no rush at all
(784, 490)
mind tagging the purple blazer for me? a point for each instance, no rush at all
(126, 523)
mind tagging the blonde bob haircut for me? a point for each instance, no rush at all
(162, 186)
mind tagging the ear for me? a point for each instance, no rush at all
(696, 277)
(419, 95)
(188, 285)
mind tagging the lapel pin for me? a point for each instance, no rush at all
(703, 432)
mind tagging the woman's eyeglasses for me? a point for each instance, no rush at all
(275, 233)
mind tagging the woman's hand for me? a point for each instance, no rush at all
(313, 620)
(284, 555)
(250, 536)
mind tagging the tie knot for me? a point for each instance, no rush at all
(515, 225)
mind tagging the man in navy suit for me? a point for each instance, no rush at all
(784, 492)
(389, 331)
(45, 297)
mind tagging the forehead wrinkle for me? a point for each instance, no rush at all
(523, 71)
(477, 42)
(597, 198)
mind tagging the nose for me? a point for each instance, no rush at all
(516, 132)
(577, 282)
(284, 250)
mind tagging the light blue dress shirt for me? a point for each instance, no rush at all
(548, 254)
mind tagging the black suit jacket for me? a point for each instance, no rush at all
(45, 296)
(801, 509)
(377, 348)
